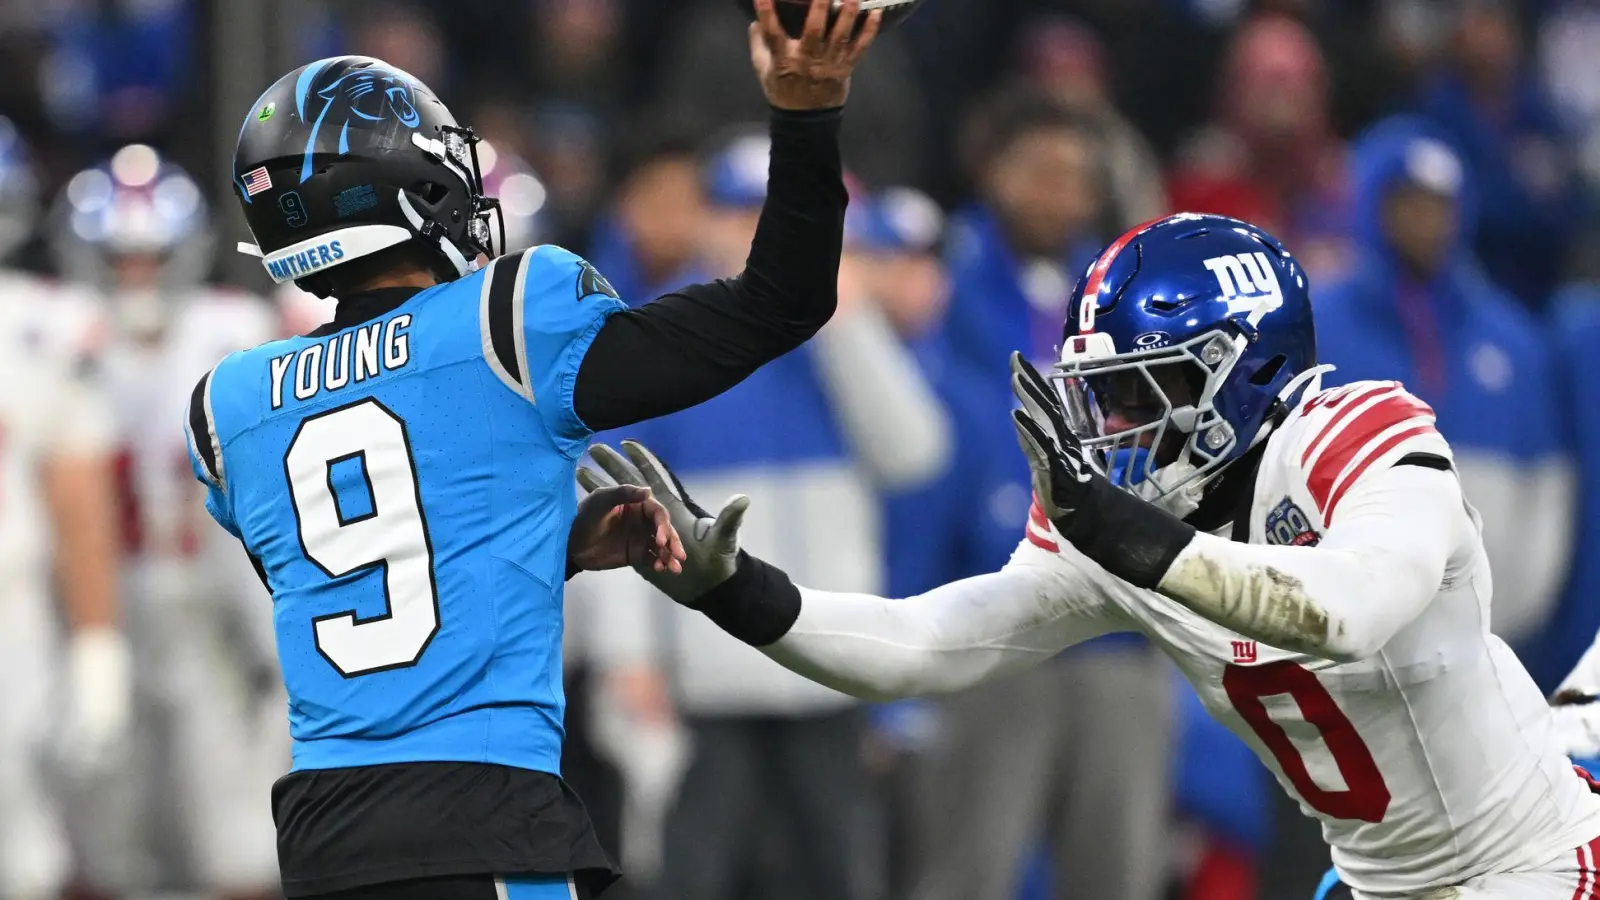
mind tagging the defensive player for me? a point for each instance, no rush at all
(1306, 558)
(58, 519)
(402, 476)
(134, 233)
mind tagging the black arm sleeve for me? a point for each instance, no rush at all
(691, 345)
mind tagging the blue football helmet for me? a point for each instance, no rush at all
(1182, 338)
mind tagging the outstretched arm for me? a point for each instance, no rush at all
(872, 647)
(950, 638)
(713, 336)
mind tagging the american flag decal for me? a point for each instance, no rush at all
(255, 181)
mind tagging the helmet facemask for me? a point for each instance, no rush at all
(1148, 418)
(456, 147)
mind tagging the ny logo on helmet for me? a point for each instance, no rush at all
(1246, 279)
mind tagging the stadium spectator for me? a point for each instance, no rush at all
(1066, 59)
(1015, 253)
(647, 241)
(1052, 749)
(1417, 309)
(775, 800)
(1269, 155)
(1491, 107)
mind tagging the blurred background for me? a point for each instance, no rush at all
(1434, 164)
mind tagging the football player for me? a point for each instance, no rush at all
(402, 476)
(134, 231)
(1304, 556)
(56, 512)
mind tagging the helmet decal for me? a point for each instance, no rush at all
(373, 94)
(1246, 280)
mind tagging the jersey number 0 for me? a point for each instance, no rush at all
(392, 534)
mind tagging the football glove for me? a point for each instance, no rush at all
(99, 715)
(1128, 537)
(746, 597)
(710, 543)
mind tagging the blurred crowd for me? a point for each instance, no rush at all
(1435, 165)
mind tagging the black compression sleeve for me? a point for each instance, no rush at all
(758, 605)
(692, 345)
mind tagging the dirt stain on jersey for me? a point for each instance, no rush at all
(1260, 601)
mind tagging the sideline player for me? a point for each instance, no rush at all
(133, 232)
(1325, 589)
(402, 476)
(57, 513)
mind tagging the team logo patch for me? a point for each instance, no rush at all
(591, 282)
(1288, 526)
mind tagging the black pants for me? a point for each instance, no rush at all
(453, 887)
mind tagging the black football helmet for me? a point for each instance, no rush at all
(347, 156)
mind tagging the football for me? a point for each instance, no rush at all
(792, 13)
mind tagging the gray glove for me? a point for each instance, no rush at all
(710, 543)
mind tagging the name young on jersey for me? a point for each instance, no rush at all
(351, 357)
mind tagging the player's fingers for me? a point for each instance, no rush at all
(725, 531)
(773, 37)
(615, 465)
(656, 473)
(760, 53)
(843, 27)
(1032, 442)
(869, 33)
(813, 39)
(590, 480)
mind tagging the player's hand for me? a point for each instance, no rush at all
(1064, 480)
(99, 688)
(812, 71)
(710, 543)
(623, 525)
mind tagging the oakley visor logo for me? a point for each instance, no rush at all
(1246, 280)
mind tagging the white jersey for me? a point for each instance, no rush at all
(52, 406)
(151, 381)
(1413, 734)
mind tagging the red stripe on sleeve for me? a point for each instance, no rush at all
(1347, 403)
(1356, 436)
(1038, 528)
(1385, 447)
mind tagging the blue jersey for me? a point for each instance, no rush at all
(406, 487)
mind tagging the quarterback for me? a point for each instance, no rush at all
(1305, 557)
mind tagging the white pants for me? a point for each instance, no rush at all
(1574, 875)
(213, 739)
(34, 856)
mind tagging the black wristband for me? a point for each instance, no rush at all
(758, 605)
(1130, 538)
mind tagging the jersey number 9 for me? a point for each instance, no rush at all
(391, 535)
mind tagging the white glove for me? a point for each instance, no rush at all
(99, 694)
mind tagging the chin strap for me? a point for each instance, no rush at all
(431, 230)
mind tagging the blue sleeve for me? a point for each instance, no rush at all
(541, 310)
(567, 302)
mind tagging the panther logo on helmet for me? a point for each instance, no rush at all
(372, 94)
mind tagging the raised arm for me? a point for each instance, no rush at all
(872, 647)
(713, 336)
